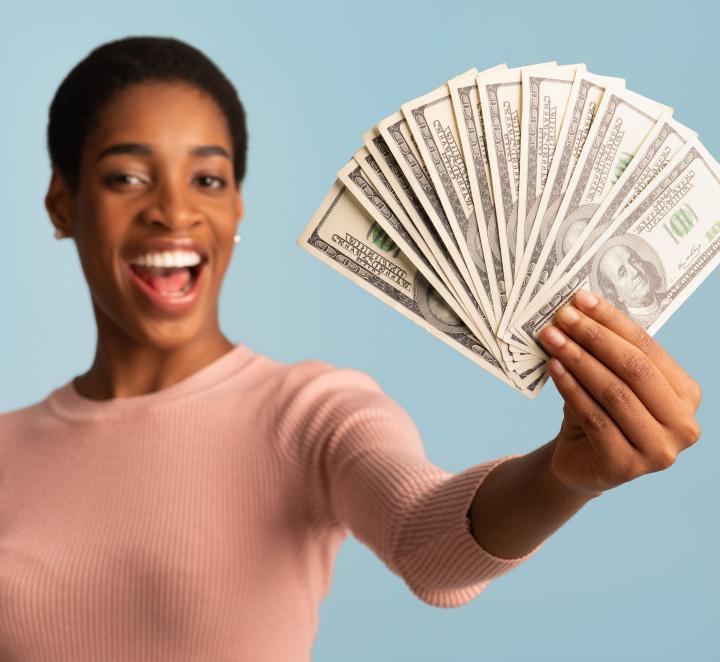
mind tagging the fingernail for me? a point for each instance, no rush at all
(586, 299)
(552, 336)
(568, 314)
(556, 368)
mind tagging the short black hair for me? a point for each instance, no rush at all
(111, 67)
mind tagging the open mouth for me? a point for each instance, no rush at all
(170, 282)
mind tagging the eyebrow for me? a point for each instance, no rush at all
(145, 150)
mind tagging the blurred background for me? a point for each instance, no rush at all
(629, 578)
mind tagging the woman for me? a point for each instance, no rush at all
(185, 498)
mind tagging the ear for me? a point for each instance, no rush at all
(58, 202)
(239, 206)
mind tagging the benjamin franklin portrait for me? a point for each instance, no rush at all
(434, 308)
(629, 274)
(571, 228)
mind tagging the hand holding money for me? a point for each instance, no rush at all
(629, 407)
(479, 208)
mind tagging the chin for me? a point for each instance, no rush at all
(167, 334)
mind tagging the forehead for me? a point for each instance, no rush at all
(162, 113)
(615, 256)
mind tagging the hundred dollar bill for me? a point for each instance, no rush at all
(659, 147)
(342, 235)
(395, 132)
(500, 96)
(372, 200)
(528, 366)
(545, 94)
(468, 116)
(623, 121)
(399, 139)
(379, 181)
(585, 95)
(432, 123)
(363, 187)
(387, 161)
(410, 205)
(404, 200)
(656, 252)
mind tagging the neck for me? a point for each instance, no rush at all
(125, 368)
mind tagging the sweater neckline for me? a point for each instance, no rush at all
(66, 401)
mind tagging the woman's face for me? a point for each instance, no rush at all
(139, 180)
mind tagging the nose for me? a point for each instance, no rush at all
(172, 207)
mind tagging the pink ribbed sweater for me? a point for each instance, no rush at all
(201, 522)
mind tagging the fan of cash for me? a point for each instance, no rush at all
(478, 209)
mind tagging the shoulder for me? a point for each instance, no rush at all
(315, 392)
(319, 374)
(27, 414)
(18, 424)
(313, 383)
(317, 395)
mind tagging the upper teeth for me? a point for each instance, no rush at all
(168, 259)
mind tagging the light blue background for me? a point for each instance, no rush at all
(633, 576)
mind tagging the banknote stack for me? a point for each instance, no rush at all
(479, 208)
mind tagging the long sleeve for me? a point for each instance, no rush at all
(202, 521)
(365, 468)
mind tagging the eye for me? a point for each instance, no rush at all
(122, 178)
(215, 182)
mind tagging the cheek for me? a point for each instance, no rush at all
(219, 265)
(99, 247)
(102, 218)
(627, 283)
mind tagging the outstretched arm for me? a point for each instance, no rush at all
(629, 410)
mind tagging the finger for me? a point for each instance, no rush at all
(632, 417)
(625, 360)
(608, 315)
(608, 442)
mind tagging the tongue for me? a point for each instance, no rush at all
(165, 280)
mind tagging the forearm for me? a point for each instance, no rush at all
(520, 503)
